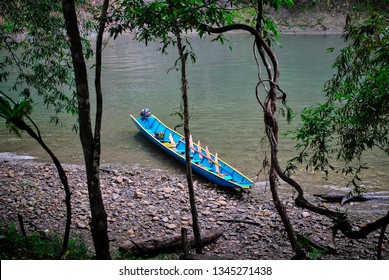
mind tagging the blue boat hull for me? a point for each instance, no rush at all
(203, 163)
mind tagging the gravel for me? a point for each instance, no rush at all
(143, 203)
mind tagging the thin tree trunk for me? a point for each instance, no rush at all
(22, 125)
(380, 242)
(184, 90)
(273, 179)
(192, 199)
(91, 147)
(64, 181)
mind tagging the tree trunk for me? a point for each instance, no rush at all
(269, 109)
(36, 135)
(63, 178)
(184, 90)
(90, 145)
(273, 179)
(271, 124)
(189, 175)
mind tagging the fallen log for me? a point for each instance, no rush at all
(346, 198)
(169, 244)
(241, 222)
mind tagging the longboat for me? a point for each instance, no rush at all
(203, 162)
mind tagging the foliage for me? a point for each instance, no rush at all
(38, 246)
(179, 112)
(248, 13)
(38, 53)
(35, 46)
(154, 20)
(314, 251)
(355, 116)
(14, 113)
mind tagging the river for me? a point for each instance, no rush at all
(225, 115)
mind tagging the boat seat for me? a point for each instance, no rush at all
(168, 144)
(227, 178)
(196, 160)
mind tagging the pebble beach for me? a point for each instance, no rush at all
(144, 203)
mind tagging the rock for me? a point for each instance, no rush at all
(165, 219)
(81, 225)
(111, 219)
(115, 196)
(139, 195)
(168, 190)
(180, 186)
(171, 226)
(206, 213)
(10, 174)
(222, 202)
(118, 180)
(305, 214)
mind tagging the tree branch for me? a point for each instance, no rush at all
(340, 219)
(260, 41)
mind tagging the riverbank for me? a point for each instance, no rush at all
(143, 203)
(304, 23)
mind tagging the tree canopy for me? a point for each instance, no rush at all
(35, 47)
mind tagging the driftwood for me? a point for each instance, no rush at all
(185, 249)
(241, 222)
(169, 244)
(343, 199)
